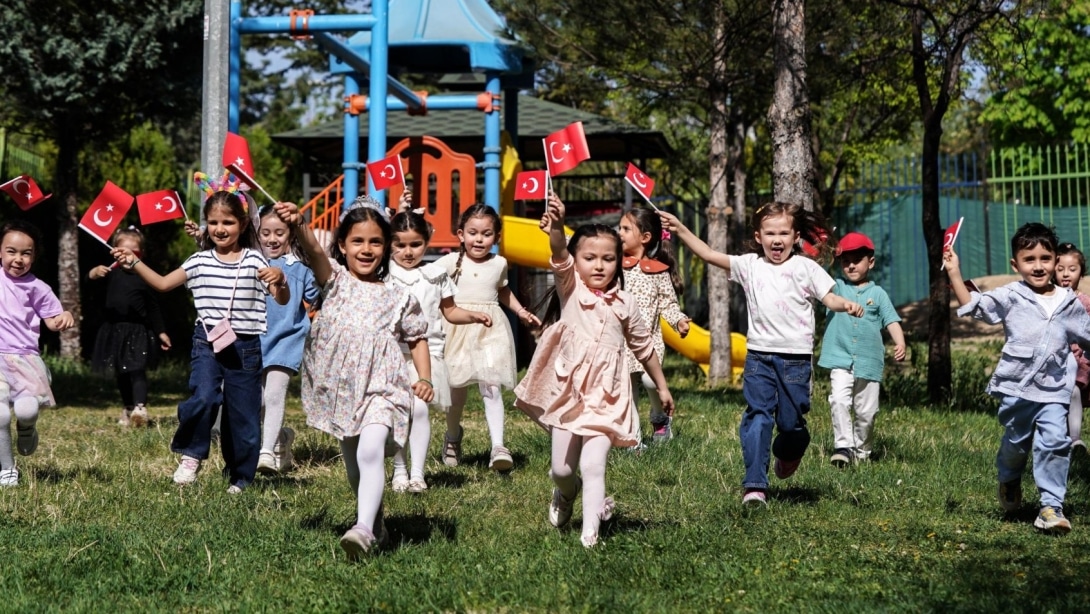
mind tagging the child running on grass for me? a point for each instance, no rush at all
(650, 276)
(355, 385)
(853, 350)
(1034, 379)
(779, 289)
(1070, 267)
(24, 380)
(229, 280)
(282, 343)
(127, 342)
(432, 287)
(475, 353)
(577, 386)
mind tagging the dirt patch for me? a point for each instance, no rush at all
(914, 315)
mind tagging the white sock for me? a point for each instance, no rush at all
(454, 414)
(363, 460)
(565, 457)
(592, 466)
(419, 438)
(26, 411)
(493, 412)
(275, 395)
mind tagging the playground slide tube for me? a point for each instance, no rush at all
(524, 244)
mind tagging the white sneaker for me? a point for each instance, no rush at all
(125, 419)
(28, 439)
(9, 477)
(186, 473)
(400, 483)
(560, 508)
(266, 462)
(282, 450)
(139, 415)
(234, 489)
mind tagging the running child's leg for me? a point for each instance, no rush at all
(596, 506)
(866, 408)
(636, 383)
(371, 474)
(124, 386)
(138, 384)
(1051, 454)
(841, 385)
(755, 429)
(1074, 416)
(565, 458)
(7, 457)
(793, 392)
(26, 419)
(275, 395)
(419, 438)
(493, 412)
(452, 440)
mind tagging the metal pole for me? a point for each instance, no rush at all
(351, 144)
(234, 86)
(380, 62)
(214, 93)
(492, 145)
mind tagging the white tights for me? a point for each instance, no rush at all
(493, 412)
(363, 461)
(275, 394)
(26, 414)
(419, 437)
(589, 453)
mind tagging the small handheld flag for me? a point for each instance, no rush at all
(24, 191)
(236, 158)
(950, 236)
(641, 182)
(566, 148)
(161, 206)
(386, 172)
(530, 185)
(106, 212)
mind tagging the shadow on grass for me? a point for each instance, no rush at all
(446, 479)
(620, 524)
(419, 529)
(52, 474)
(307, 453)
(795, 494)
(480, 460)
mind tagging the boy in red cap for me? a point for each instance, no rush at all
(854, 351)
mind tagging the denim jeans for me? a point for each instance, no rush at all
(1042, 427)
(231, 379)
(777, 390)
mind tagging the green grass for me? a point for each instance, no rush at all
(97, 525)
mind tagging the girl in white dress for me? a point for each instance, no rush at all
(484, 355)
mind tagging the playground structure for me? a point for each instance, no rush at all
(457, 37)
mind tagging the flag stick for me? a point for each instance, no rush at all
(645, 198)
(548, 173)
(957, 231)
(97, 238)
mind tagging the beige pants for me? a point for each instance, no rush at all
(848, 393)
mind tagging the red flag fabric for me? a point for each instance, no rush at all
(236, 158)
(24, 191)
(160, 206)
(530, 185)
(951, 234)
(386, 172)
(639, 180)
(566, 148)
(106, 212)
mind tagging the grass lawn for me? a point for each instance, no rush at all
(96, 523)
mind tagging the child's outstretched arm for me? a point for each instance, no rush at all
(835, 302)
(654, 370)
(552, 223)
(456, 315)
(693, 242)
(510, 301)
(319, 262)
(160, 283)
(59, 322)
(953, 271)
(422, 387)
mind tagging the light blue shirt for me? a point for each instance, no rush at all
(287, 325)
(855, 344)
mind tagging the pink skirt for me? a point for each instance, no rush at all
(24, 375)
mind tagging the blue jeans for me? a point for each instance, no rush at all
(777, 390)
(1042, 427)
(231, 379)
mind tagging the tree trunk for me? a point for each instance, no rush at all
(789, 113)
(718, 218)
(67, 183)
(736, 166)
(938, 351)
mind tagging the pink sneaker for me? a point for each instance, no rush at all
(754, 497)
(785, 469)
(357, 541)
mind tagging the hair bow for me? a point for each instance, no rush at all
(366, 201)
(666, 236)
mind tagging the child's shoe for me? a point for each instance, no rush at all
(501, 459)
(452, 449)
(417, 485)
(28, 439)
(186, 473)
(1078, 448)
(139, 415)
(266, 462)
(234, 489)
(662, 431)
(400, 483)
(841, 458)
(754, 497)
(1010, 495)
(282, 450)
(1051, 519)
(9, 477)
(357, 541)
(560, 508)
(126, 416)
(785, 469)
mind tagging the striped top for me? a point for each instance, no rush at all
(210, 280)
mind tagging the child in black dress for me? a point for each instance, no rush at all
(132, 333)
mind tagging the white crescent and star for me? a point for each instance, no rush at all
(173, 204)
(240, 162)
(532, 180)
(15, 186)
(389, 168)
(637, 178)
(108, 221)
(552, 154)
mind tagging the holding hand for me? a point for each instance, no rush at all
(99, 272)
(271, 276)
(899, 352)
(853, 309)
(480, 317)
(60, 322)
(405, 202)
(667, 401)
(528, 318)
(950, 261)
(124, 257)
(164, 341)
(192, 229)
(682, 327)
(423, 390)
(670, 222)
(288, 213)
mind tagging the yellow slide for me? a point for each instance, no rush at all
(524, 244)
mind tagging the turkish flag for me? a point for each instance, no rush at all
(639, 180)
(160, 206)
(530, 185)
(951, 234)
(565, 149)
(386, 172)
(106, 212)
(24, 191)
(236, 158)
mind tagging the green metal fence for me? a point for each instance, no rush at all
(995, 194)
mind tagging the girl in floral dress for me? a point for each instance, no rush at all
(355, 385)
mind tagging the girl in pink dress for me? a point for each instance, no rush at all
(577, 386)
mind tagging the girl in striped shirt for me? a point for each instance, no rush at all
(229, 279)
